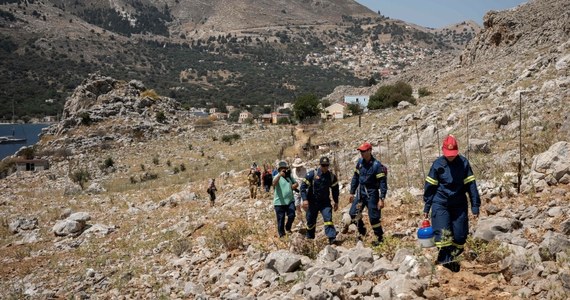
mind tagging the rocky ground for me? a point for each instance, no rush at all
(122, 213)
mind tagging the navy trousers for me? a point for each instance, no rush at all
(374, 215)
(313, 213)
(282, 211)
(450, 226)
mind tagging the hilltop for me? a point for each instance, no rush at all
(140, 225)
(203, 53)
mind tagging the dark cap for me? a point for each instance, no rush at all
(324, 161)
(282, 164)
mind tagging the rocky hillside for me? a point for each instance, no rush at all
(127, 216)
(202, 53)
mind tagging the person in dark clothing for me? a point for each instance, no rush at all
(368, 189)
(316, 190)
(212, 191)
(449, 180)
(267, 178)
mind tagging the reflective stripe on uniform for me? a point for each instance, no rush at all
(336, 183)
(469, 179)
(356, 171)
(330, 223)
(443, 244)
(306, 181)
(457, 245)
(380, 175)
(311, 227)
(431, 181)
(377, 225)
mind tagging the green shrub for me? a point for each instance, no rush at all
(85, 118)
(109, 162)
(423, 91)
(390, 95)
(160, 117)
(155, 160)
(80, 177)
(230, 138)
(182, 167)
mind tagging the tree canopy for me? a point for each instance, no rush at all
(306, 106)
(390, 95)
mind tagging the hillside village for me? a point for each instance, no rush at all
(122, 211)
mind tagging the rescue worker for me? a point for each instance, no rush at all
(283, 199)
(252, 179)
(316, 189)
(450, 178)
(368, 189)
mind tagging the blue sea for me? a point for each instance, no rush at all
(28, 131)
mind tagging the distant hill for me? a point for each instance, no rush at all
(203, 53)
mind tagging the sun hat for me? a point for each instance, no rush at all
(298, 162)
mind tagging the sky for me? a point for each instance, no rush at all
(438, 13)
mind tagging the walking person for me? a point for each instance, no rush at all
(283, 200)
(212, 191)
(450, 178)
(298, 172)
(252, 180)
(316, 195)
(267, 179)
(368, 189)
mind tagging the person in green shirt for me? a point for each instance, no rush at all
(283, 199)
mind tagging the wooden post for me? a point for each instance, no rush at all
(467, 120)
(437, 141)
(420, 149)
(519, 175)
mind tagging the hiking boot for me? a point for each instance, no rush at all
(453, 266)
(377, 242)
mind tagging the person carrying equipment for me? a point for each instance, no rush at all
(283, 200)
(450, 178)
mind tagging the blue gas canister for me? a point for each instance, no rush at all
(425, 235)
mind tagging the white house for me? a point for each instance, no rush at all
(334, 111)
(361, 100)
(244, 115)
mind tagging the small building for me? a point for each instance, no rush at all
(244, 115)
(334, 111)
(220, 116)
(275, 117)
(213, 110)
(266, 118)
(361, 100)
(31, 164)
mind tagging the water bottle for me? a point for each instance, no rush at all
(425, 234)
